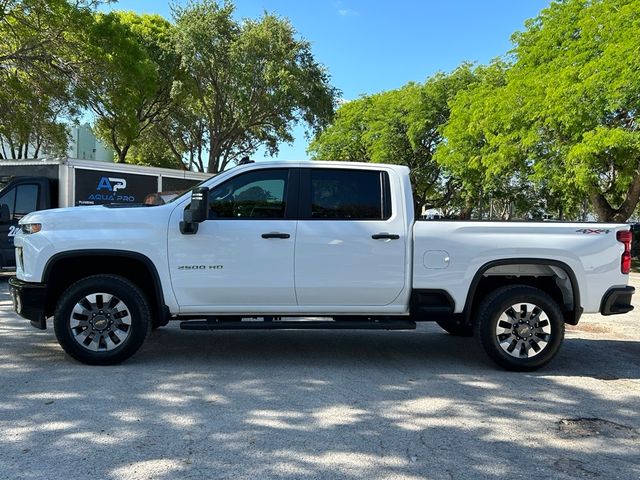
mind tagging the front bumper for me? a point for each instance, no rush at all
(29, 301)
(617, 300)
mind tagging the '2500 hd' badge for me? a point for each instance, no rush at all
(200, 267)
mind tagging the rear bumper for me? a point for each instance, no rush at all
(617, 300)
(29, 301)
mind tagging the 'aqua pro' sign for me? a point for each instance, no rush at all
(94, 187)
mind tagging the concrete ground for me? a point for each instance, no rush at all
(320, 405)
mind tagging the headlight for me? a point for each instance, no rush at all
(28, 228)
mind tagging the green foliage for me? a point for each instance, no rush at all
(250, 80)
(563, 112)
(126, 75)
(399, 127)
(37, 38)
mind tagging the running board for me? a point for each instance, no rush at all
(299, 325)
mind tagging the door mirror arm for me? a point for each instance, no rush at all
(197, 212)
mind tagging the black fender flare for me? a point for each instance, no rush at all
(577, 308)
(162, 309)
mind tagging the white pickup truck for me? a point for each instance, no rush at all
(269, 244)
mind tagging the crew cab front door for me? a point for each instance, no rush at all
(243, 255)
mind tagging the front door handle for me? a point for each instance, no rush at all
(385, 236)
(275, 235)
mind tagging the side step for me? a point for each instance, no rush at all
(299, 325)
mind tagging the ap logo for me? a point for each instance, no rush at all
(112, 184)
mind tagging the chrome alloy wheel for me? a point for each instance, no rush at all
(523, 330)
(100, 322)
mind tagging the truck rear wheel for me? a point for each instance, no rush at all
(521, 328)
(102, 319)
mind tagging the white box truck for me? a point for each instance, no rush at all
(30, 185)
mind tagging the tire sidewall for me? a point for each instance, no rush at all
(490, 312)
(126, 291)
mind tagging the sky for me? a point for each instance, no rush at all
(369, 46)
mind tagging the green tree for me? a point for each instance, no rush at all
(126, 76)
(32, 122)
(183, 134)
(38, 41)
(250, 81)
(399, 127)
(38, 35)
(563, 111)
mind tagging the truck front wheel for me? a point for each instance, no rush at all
(521, 328)
(102, 319)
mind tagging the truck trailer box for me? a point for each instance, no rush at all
(30, 185)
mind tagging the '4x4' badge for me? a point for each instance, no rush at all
(593, 231)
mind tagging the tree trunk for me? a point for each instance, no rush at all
(604, 210)
(122, 153)
(214, 154)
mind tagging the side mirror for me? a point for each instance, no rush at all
(197, 212)
(5, 214)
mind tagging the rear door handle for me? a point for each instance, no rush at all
(385, 236)
(275, 235)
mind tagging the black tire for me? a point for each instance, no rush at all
(535, 328)
(456, 329)
(137, 313)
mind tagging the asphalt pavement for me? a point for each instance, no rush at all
(320, 405)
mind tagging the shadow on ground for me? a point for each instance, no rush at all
(291, 405)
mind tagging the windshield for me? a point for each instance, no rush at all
(4, 181)
(188, 192)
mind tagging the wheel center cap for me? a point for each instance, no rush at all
(100, 323)
(524, 330)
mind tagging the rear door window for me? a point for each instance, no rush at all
(340, 194)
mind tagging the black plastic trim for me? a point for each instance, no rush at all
(421, 312)
(577, 308)
(30, 299)
(157, 284)
(299, 325)
(617, 301)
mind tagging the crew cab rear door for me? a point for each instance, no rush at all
(351, 239)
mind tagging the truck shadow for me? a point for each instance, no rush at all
(315, 404)
(319, 405)
(428, 347)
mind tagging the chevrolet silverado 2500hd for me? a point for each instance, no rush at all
(263, 244)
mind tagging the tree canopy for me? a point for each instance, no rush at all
(37, 44)
(562, 111)
(399, 127)
(548, 129)
(126, 75)
(249, 81)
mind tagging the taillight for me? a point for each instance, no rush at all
(625, 237)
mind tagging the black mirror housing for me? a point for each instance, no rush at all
(199, 208)
(197, 212)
